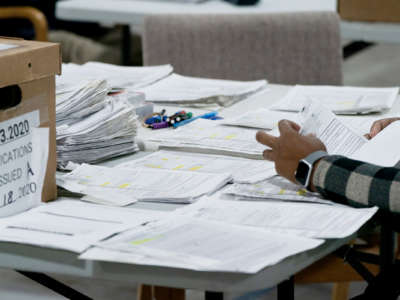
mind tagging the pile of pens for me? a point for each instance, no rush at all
(160, 120)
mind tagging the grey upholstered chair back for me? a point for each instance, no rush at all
(285, 48)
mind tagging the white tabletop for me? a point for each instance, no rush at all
(133, 12)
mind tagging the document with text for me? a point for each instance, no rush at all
(122, 186)
(242, 170)
(341, 100)
(203, 245)
(71, 224)
(300, 219)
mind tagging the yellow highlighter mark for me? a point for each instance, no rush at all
(164, 158)
(282, 191)
(153, 166)
(124, 185)
(301, 192)
(195, 168)
(105, 183)
(213, 136)
(229, 137)
(178, 167)
(142, 241)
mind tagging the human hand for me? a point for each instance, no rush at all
(379, 125)
(289, 148)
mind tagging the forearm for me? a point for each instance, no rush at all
(357, 183)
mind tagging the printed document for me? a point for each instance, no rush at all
(206, 136)
(72, 225)
(242, 170)
(180, 90)
(119, 186)
(300, 219)
(201, 245)
(275, 188)
(341, 100)
(336, 136)
(261, 119)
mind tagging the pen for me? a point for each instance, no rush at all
(204, 116)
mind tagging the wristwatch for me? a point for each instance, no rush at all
(305, 167)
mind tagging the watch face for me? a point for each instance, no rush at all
(302, 173)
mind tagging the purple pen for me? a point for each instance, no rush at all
(159, 125)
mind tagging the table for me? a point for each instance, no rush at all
(131, 13)
(44, 260)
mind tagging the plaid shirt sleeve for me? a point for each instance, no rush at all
(358, 183)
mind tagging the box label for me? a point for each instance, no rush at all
(7, 46)
(18, 186)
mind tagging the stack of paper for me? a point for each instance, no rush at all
(203, 245)
(261, 118)
(116, 76)
(341, 100)
(118, 186)
(243, 170)
(105, 134)
(71, 225)
(275, 188)
(206, 136)
(80, 100)
(182, 90)
(300, 219)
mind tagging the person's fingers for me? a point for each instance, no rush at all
(266, 139)
(367, 136)
(286, 126)
(269, 155)
(375, 128)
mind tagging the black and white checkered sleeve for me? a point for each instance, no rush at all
(358, 183)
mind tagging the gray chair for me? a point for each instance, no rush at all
(286, 48)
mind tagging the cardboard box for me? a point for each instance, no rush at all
(370, 10)
(27, 83)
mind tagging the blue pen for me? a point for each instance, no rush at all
(204, 116)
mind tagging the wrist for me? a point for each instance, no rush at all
(311, 186)
(305, 168)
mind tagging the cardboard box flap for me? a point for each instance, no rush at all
(22, 61)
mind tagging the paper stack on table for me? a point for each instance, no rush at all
(341, 100)
(300, 219)
(116, 76)
(261, 119)
(206, 136)
(71, 225)
(119, 186)
(105, 134)
(183, 90)
(243, 170)
(275, 188)
(202, 245)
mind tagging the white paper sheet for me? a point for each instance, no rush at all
(383, 149)
(72, 225)
(336, 136)
(300, 219)
(206, 136)
(202, 245)
(190, 90)
(119, 186)
(242, 170)
(341, 100)
(261, 118)
(275, 188)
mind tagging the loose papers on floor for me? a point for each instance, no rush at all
(243, 170)
(118, 186)
(341, 100)
(202, 245)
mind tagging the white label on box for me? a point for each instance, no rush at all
(18, 186)
(7, 46)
